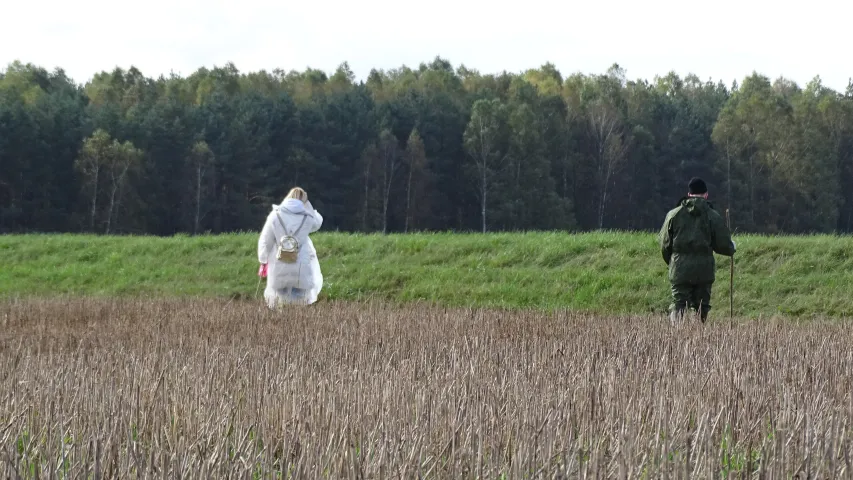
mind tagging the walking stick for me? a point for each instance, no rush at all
(731, 273)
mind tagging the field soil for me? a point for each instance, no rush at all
(137, 388)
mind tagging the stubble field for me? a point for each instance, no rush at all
(141, 388)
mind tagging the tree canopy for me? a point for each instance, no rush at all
(414, 149)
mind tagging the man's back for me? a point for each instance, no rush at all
(690, 235)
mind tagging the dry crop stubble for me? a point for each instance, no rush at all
(201, 389)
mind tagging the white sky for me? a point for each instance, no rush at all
(718, 39)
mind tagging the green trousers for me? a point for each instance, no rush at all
(696, 297)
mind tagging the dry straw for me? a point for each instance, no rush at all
(175, 389)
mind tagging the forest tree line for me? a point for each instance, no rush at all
(434, 148)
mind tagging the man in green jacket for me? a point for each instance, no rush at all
(691, 234)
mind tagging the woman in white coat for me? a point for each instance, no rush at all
(298, 282)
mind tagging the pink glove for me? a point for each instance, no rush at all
(262, 271)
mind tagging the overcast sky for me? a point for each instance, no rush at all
(720, 39)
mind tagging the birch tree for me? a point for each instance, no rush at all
(611, 147)
(416, 163)
(200, 159)
(482, 140)
(91, 160)
(123, 157)
(391, 161)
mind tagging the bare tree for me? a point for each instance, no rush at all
(122, 158)
(368, 159)
(416, 161)
(611, 149)
(200, 158)
(391, 161)
(481, 142)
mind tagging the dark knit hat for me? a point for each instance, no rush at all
(697, 186)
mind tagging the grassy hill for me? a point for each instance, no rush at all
(598, 272)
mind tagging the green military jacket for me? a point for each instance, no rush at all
(691, 234)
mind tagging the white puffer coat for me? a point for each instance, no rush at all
(305, 273)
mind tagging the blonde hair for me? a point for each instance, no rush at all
(297, 193)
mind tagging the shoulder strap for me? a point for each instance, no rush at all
(284, 226)
(304, 216)
(300, 226)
